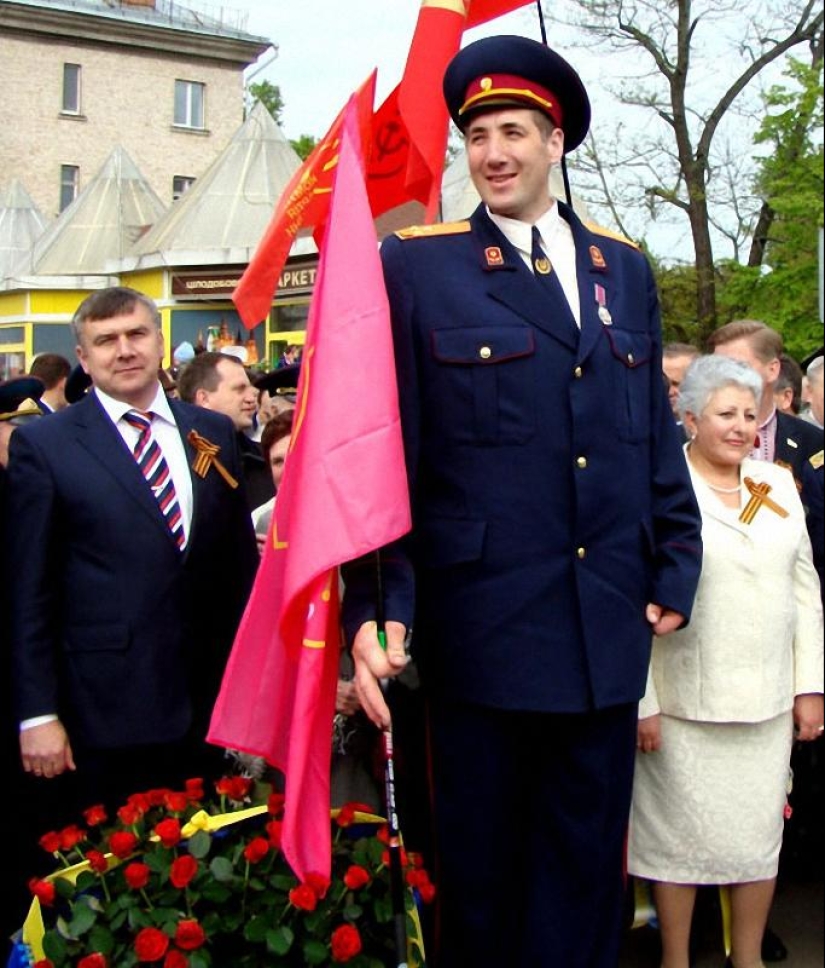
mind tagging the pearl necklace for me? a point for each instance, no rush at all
(722, 490)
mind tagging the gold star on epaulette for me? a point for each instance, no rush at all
(816, 460)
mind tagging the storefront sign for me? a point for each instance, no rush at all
(296, 279)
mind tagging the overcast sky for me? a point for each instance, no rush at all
(327, 48)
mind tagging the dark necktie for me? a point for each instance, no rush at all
(542, 266)
(153, 465)
(549, 280)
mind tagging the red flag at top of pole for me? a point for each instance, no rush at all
(304, 202)
(410, 129)
(343, 494)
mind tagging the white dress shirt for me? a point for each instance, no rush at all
(558, 244)
(166, 433)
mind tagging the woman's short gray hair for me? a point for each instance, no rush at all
(707, 374)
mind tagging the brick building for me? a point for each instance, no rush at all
(160, 79)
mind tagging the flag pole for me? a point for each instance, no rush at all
(565, 177)
(541, 22)
(399, 910)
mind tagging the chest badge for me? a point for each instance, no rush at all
(493, 255)
(601, 301)
(597, 258)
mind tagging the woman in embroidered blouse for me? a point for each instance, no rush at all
(728, 694)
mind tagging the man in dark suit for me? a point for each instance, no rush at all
(218, 381)
(127, 580)
(555, 529)
(781, 437)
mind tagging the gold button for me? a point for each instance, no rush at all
(581, 462)
(485, 352)
(581, 552)
(630, 359)
(577, 373)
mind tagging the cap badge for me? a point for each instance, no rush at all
(494, 256)
(485, 83)
(597, 258)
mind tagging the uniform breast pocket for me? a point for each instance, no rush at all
(631, 354)
(484, 384)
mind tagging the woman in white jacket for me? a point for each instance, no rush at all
(728, 694)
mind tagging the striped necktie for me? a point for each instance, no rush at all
(153, 465)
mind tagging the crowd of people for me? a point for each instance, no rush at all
(612, 592)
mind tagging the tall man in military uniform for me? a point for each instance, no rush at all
(555, 529)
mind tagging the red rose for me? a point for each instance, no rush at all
(71, 836)
(175, 959)
(234, 787)
(122, 844)
(44, 891)
(275, 804)
(346, 943)
(95, 816)
(97, 861)
(50, 842)
(356, 877)
(151, 944)
(275, 831)
(427, 892)
(136, 875)
(44, 963)
(420, 881)
(256, 850)
(169, 832)
(189, 935)
(140, 802)
(317, 883)
(94, 960)
(194, 788)
(176, 802)
(130, 814)
(303, 898)
(183, 870)
(346, 816)
(157, 798)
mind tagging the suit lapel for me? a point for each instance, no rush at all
(510, 282)
(592, 271)
(100, 438)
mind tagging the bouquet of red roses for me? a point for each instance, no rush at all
(181, 881)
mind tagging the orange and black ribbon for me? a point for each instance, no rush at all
(207, 456)
(759, 498)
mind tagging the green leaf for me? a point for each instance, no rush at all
(315, 952)
(352, 912)
(102, 939)
(280, 941)
(199, 844)
(55, 947)
(221, 869)
(83, 919)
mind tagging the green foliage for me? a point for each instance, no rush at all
(303, 146)
(784, 291)
(270, 96)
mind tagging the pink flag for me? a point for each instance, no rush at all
(343, 494)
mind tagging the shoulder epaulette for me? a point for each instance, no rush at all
(817, 459)
(428, 231)
(607, 233)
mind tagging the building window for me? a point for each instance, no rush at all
(180, 185)
(69, 182)
(71, 89)
(189, 104)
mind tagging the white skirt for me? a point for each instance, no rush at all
(708, 807)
